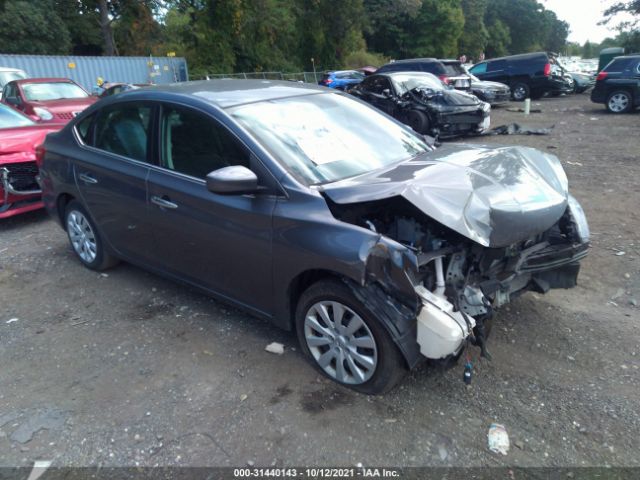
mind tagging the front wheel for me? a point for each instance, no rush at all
(344, 340)
(419, 121)
(85, 238)
(619, 102)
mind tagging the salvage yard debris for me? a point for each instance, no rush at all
(517, 129)
(498, 439)
(275, 347)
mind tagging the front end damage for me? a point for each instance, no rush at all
(435, 286)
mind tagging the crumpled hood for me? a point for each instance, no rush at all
(493, 196)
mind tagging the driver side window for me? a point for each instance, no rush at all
(195, 144)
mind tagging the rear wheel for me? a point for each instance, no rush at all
(419, 121)
(344, 340)
(520, 91)
(619, 102)
(85, 238)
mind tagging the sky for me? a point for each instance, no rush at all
(583, 17)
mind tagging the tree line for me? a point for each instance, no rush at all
(283, 35)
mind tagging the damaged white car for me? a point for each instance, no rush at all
(310, 208)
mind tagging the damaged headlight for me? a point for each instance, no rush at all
(579, 219)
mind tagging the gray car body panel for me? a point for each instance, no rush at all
(493, 196)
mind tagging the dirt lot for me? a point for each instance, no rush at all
(126, 368)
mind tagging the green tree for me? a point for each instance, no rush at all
(33, 27)
(475, 36)
(436, 29)
(499, 39)
(588, 50)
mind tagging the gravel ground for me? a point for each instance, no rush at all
(126, 368)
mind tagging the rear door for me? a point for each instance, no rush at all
(110, 171)
(497, 71)
(218, 242)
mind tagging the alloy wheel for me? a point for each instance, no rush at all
(340, 342)
(82, 237)
(520, 93)
(618, 102)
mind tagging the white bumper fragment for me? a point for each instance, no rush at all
(441, 331)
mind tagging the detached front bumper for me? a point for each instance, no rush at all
(19, 190)
(464, 121)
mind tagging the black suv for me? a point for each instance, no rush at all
(618, 84)
(529, 75)
(429, 65)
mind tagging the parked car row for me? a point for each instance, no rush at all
(31, 108)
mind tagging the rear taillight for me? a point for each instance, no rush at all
(547, 70)
(444, 79)
(601, 76)
(327, 81)
(40, 151)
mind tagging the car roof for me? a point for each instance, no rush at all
(22, 81)
(343, 71)
(227, 93)
(407, 60)
(522, 56)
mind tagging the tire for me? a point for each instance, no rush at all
(520, 91)
(419, 121)
(85, 238)
(372, 366)
(619, 101)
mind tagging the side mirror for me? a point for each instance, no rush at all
(235, 179)
(386, 92)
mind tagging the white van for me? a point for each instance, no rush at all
(9, 74)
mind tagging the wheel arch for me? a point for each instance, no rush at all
(62, 201)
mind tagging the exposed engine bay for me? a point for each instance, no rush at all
(459, 282)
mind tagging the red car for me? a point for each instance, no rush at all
(53, 100)
(19, 136)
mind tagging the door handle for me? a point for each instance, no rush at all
(86, 178)
(161, 202)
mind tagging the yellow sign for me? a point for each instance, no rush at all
(171, 54)
(71, 65)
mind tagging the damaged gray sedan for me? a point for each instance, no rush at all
(309, 208)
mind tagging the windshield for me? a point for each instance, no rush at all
(9, 118)
(52, 91)
(409, 81)
(323, 138)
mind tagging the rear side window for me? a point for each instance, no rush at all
(123, 129)
(480, 68)
(84, 129)
(617, 65)
(497, 66)
(195, 144)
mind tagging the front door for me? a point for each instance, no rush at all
(219, 242)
